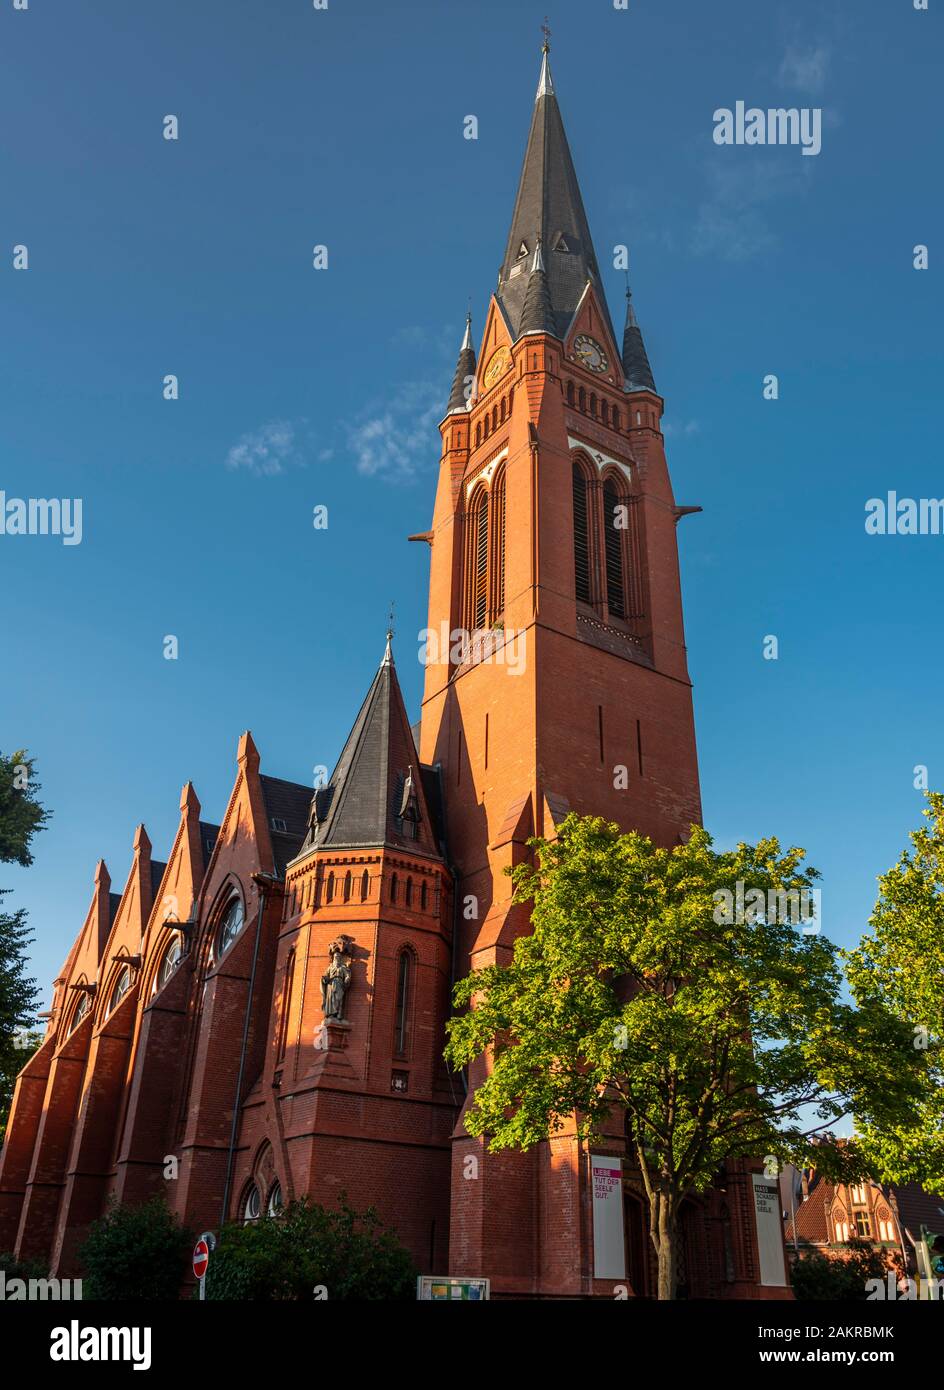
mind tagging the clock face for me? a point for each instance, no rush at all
(589, 352)
(498, 364)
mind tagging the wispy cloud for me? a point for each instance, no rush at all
(266, 451)
(397, 438)
(805, 68)
(683, 430)
(733, 221)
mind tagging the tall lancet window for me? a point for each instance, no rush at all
(498, 544)
(478, 560)
(614, 525)
(404, 989)
(581, 536)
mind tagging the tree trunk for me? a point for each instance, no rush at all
(665, 1237)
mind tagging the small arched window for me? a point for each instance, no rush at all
(329, 892)
(605, 411)
(494, 417)
(424, 894)
(275, 1204)
(122, 985)
(169, 962)
(365, 885)
(408, 896)
(79, 1012)
(394, 888)
(504, 406)
(616, 418)
(581, 535)
(570, 393)
(287, 987)
(252, 1206)
(404, 992)
(593, 402)
(347, 886)
(582, 399)
(231, 925)
(613, 527)
(478, 435)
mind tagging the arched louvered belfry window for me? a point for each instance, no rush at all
(581, 535)
(404, 1002)
(614, 528)
(478, 561)
(498, 545)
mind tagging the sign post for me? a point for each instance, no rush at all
(201, 1259)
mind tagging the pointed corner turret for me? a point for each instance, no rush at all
(637, 372)
(537, 316)
(460, 396)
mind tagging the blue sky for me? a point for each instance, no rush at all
(298, 388)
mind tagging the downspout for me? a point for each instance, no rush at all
(262, 882)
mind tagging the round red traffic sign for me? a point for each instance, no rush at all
(201, 1258)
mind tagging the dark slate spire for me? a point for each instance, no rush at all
(636, 369)
(548, 207)
(460, 394)
(536, 313)
(375, 795)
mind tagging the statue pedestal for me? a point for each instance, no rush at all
(331, 1043)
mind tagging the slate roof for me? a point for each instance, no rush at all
(459, 397)
(286, 804)
(636, 369)
(548, 206)
(208, 838)
(377, 773)
(114, 900)
(157, 873)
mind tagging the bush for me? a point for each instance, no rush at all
(22, 1269)
(838, 1278)
(350, 1255)
(136, 1254)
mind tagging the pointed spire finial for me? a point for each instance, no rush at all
(545, 82)
(388, 651)
(467, 338)
(630, 311)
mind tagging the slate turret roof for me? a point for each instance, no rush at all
(460, 395)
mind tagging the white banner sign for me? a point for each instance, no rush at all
(609, 1252)
(769, 1230)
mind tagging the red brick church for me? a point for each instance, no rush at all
(261, 1016)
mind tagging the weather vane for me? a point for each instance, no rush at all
(546, 31)
(390, 616)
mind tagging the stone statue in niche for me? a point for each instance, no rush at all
(337, 978)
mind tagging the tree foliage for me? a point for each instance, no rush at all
(899, 966)
(21, 814)
(718, 1040)
(348, 1254)
(18, 996)
(136, 1254)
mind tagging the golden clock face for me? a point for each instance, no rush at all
(590, 354)
(498, 364)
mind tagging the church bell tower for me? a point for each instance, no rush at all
(556, 675)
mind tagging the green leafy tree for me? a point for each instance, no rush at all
(136, 1254)
(717, 1038)
(899, 966)
(18, 996)
(348, 1254)
(21, 814)
(839, 1278)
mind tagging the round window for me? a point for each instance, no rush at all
(230, 926)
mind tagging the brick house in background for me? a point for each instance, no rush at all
(825, 1216)
(187, 1050)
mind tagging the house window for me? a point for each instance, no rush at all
(863, 1225)
(231, 925)
(581, 536)
(404, 966)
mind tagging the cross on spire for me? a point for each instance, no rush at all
(546, 31)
